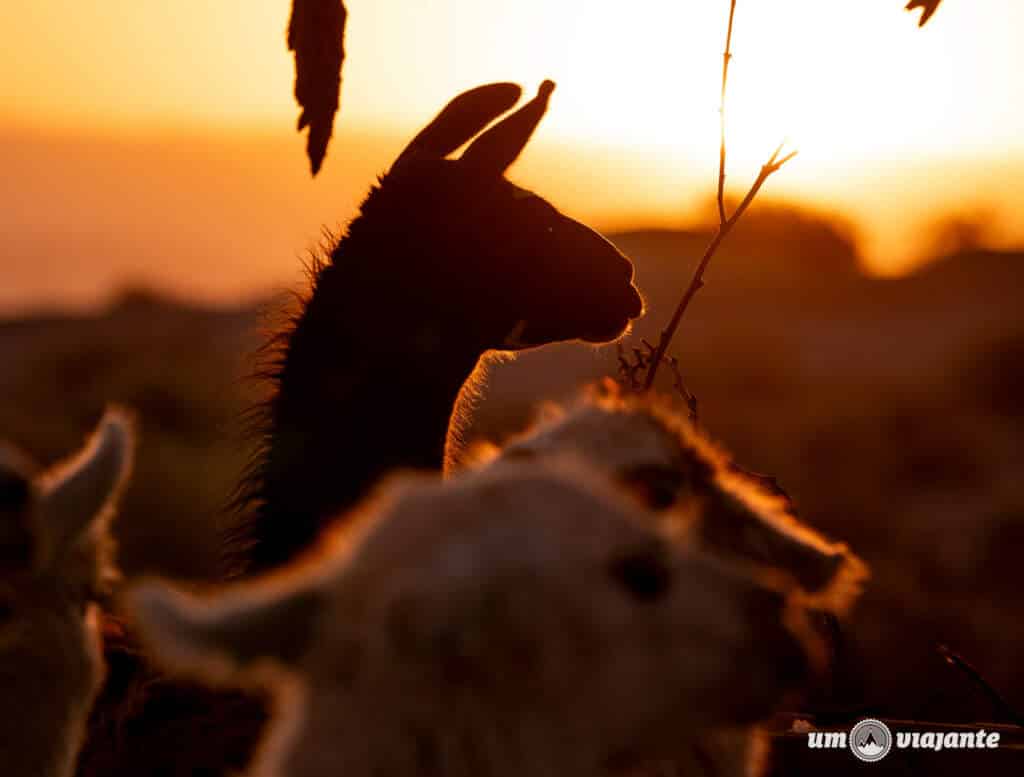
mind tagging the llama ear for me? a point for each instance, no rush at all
(493, 152)
(16, 473)
(17, 543)
(461, 119)
(77, 497)
(231, 632)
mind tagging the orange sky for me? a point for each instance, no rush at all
(894, 124)
(840, 78)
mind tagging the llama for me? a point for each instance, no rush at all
(657, 456)
(641, 443)
(672, 467)
(446, 261)
(56, 563)
(523, 619)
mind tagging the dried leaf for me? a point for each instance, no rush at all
(929, 6)
(316, 34)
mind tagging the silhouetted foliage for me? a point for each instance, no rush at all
(316, 34)
(929, 7)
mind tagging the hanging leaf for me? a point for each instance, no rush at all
(316, 34)
(929, 7)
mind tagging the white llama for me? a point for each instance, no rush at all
(519, 620)
(56, 560)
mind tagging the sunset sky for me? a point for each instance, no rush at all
(895, 125)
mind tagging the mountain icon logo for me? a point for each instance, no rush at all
(870, 740)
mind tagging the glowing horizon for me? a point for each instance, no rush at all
(882, 112)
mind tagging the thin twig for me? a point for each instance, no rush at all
(726, 58)
(680, 387)
(725, 222)
(630, 369)
(771, 166)
(633, 368)
(995, 698)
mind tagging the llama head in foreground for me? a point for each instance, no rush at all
(520, 620)
(656, 454)
(55, 562)
(454, 243)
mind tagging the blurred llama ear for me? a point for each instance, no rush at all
(461, 119)
(76, 498)
(16, 473)
(17, 541)
(493, 152)
(233, 631)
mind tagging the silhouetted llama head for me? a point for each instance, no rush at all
(56, 561)
(454, 241)
(446, 260)
(656, 454)
(520, 620)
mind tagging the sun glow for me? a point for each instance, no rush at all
(840, 81)
(879, 109)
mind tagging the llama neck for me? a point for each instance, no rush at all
(52, 758)
(43, 736)
(350, 406)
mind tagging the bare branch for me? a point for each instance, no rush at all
(999, 704)
(773, 164)
(725, 222)
(726, 58)
(632, 368)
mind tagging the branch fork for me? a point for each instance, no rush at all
(647, 362)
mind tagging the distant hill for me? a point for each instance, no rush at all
(973, 273)
(777, 247)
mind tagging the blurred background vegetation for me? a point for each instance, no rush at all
(891, 409)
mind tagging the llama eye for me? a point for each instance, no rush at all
(657, 487)
(644, 574)
(551, 230)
